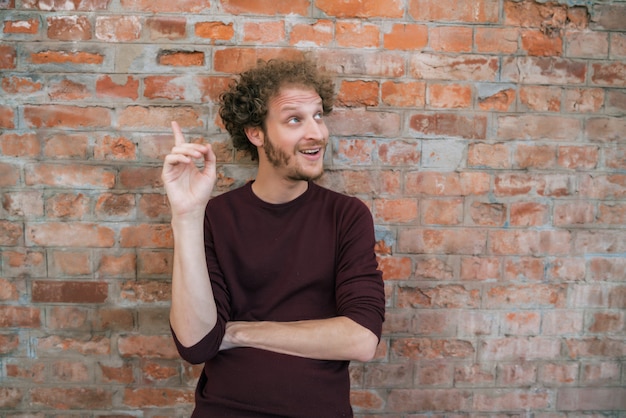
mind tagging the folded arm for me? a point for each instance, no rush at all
(338, 338)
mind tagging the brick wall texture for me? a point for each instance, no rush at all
(488, 137)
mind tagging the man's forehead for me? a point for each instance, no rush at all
(294, 96)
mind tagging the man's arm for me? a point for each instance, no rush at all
(338, 338)
(193, 312)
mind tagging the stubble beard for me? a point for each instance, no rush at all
(279, 158)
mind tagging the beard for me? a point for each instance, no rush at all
(280, 158)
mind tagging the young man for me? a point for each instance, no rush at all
(275, 284)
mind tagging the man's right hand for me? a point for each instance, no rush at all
(188, 188)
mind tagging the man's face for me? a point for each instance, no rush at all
(295, 134)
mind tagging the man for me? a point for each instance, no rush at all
(275, 284)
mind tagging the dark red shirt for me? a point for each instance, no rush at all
(311, 258)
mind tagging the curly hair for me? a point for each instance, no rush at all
(245, 103)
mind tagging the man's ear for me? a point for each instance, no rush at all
(255, 135)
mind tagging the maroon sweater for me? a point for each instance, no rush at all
(311, 258)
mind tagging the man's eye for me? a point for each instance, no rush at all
(293, 119)
(319, 115)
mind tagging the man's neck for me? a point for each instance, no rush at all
(277, 191)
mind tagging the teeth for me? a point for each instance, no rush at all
(310, 151)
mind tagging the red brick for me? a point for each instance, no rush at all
(67, 206)
(117, 374)
(69, 28)
(70, 263)
(8, 57)
(69, 176)
(154, 206)
(519, 374)
(442, 212)
(117, 87)
(474, 375)
(319, 33)
(480, 11)
(607, 269)
(398, 153)
(20, 85)
(519, 349)
(68, 90)
(69, 292)
(446, 184)
(612, 214)
(15, 145)
(366, 400)
(606, 373)
(19, 317)
(602, 242)
(449, 124)
(396, 210)
(403, 94)
(583, 100)
(65, 57)
(357, 34)
(11, 397)
(118, 28)
(452, 296)
(149, 291)
(540, 44)
(65, 116)
(358, 93)
(7, 117)
(11, 233)
(51, 345)
(501, 101)
(489, 155)
(74, 398)
(449, 96)
(609, 74)
(236, 60)
(525, 296)
(159, 117)
(20, 262)
(362, 9)
(511, 400)
(69, 235)
(591, 399)
(141, 177)
(450, 39)
(214, 30)
(496, 40)
(363, 122)
(428, 66)
(264, 32)
(165, 6)
(407, 37)
(166, 27)
(543, 70)
(524, 268)
(487, 214)
(147, 236)
(68, 317)
(157, 397)
(115, 148)
(25, 26)
(154, 263)
(605, 129)
(480, 268)
(370, 63)
(530, 126)
(535, 156)
(155, 346)
(355, 151)
(587, 44)
(414, 400)
(527, 214)
(181, 58)
(609, 16)
(115, 206)
(66, 146)
(58, 5)
(521, 323)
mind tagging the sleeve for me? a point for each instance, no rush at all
(209, 345)
(359, 287)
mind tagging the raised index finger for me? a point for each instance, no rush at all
(178, 134)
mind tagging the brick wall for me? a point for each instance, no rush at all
(488, 138)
